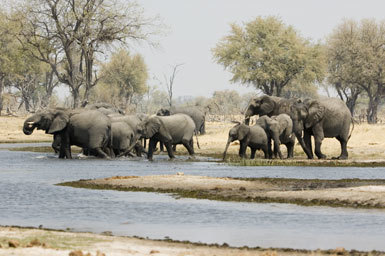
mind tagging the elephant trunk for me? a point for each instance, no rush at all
(28, 127)
(227, 146)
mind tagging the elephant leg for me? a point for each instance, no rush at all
(242, 149)
(65, 146)
(269, 150)
(151, 147)
(203, 129)
(187, 145)
(252, 155)
(277, 144)
(56, 143)
(100, 153)
(308, 152)
(169, 150)
(307, 140)
(344, 150)
(290, 149)
(318, 137)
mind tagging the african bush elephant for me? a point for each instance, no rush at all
(248, 136)
(324, 118)
(174, 129)
(105, 108)
(123, 138)
(269, 106)
(133, 121)
(84, 128)
(279, 129)
(197, 115)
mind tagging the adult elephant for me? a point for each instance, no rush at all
(273, 106)
(133, 122)
(269, 106)
(123, 138)
(88, 129)
(171, 130)
(105, 108)
(324, 118)
(197, 115)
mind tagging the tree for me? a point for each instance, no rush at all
(125, 76)
(356, 55)
(343, 65)
(68, 34)
(169, 81)
(269, 55)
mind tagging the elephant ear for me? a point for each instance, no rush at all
(267, 105)
(243, 131)
(152, 126)
(315, 113)
(59, 122)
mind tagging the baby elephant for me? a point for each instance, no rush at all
(279, 129)
(248, 136)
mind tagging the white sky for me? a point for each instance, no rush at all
(195, 27)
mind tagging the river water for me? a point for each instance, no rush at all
(28, 197)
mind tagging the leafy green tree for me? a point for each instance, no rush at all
(356, 57)
(269, 55)
(124, 76)
(343, 65)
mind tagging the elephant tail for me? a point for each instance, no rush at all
(351, 132)
(196, 136)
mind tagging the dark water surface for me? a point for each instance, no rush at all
(28, 197)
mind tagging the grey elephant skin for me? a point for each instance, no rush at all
(249, 136)
(89, 129)
(269, 106)
(123, 138)
(133, 122)
(279, 129)
(171, 130)
(197, 115)
(325, 118)
(105, 108)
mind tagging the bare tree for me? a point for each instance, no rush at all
(169, 81)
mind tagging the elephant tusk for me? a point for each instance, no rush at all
(30, 123)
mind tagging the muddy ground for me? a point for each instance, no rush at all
(337, 193)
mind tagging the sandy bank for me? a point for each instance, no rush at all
(337, 193)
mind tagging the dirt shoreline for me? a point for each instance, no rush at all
(353, 193)
(45, 242)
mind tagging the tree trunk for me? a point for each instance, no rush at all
(372, 109)
(1, 93)
(76, 98)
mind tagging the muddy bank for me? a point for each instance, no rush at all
(354, 193)
(40, 242)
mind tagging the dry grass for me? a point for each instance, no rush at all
(367, 141)
(11, 131)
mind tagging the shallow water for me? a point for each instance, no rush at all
(28, 197)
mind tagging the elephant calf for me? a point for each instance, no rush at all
(171, 130)
(249, 136)
(279, 129)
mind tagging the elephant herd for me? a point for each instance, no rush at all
(104, 131)
(282, 120)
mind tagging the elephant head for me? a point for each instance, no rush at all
(52, 121)
(263, 105)
(238, 132)
(163, 112)
(152, 126)
(307, 113)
